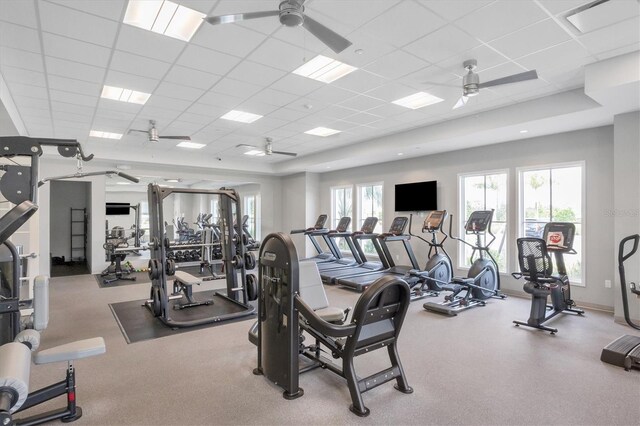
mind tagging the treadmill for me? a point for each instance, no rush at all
(365, 233)
(341, 232)
(396, 233)
(319, 231)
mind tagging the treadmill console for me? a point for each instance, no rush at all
(369, 225)
(322, 219)
(479, 221)
(398, 225)
(434, 220)
(343, 225)
(559, 236)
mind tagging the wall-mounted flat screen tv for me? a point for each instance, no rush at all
(117, 209)
(417, 196)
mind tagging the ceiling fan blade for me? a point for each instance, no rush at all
(184, 138)
(335, 41)
(515, 78)
(461, 102)
(432, 83)
(291, 154)
(244, 145)
(228, 19)
(136, 130)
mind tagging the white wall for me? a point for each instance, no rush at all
(594, 146)
(626, 207)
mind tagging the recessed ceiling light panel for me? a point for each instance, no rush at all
(105, 135)
(255, 152)
(124, 95)
(192, 145)
(324, 69)
(322, 131)
(163, 17)
(418, 100)
(241, 116)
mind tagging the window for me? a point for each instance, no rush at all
(484, 191)
(251, 209)
(370, 204)
(554, 194)
(215, 210)
(341, 206)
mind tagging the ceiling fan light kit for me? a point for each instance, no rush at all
(153, 136)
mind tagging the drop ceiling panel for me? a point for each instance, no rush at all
(74, 70)
(74, 86)
(74, 98)
(75, 50)
(366, 48)
(396, 64)
(619, 35)
(296, 85)
(18, 75)
(138, 65)
(442, 44)
(288, 114)
(192, 78)
(362, 103)
(566, 55)
(20, 59)
(172, 90)
(148, 44)
(252, 72)
(18, 89)
(198, 119)
(219, 100)
(388, 110)
(130, 81)
(452, 10)
(360, 81)
(19, 12)
(71, 108)
(558, 6)
(362, 118)
(500, 18)
(275, 97)
(35, 112)
(206, 110)
(280, 55)
(89, 28)
(207, 60)
(255, 107)
(232, 39)
(486, 57)
(167, 103)
(404, 23)
(349, 12)
(27, 102)
(109, 9)
(263, 25)
(18, 37)
(538, 36)
(61, 115)
(236, 88)
(154, 113)
(303, 39)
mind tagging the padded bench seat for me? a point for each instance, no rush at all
(71, 351)
(186, 278)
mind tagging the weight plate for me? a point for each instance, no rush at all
(170, 267)
(249, 260)
(156, 301)
(237, 261)
(252, 287)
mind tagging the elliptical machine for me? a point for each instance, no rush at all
(483, 279)
(438, 270)
(536, 267)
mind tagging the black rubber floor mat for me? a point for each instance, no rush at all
(141, 278)
(137, 323)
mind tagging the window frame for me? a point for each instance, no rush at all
(333, 189)
(581, 281)
(462, 220)
(257, 234)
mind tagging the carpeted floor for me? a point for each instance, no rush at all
(476, 368)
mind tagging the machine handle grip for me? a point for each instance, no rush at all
(623, 257)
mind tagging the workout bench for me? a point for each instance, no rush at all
(183, 282)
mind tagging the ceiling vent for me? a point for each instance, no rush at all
(600, 14)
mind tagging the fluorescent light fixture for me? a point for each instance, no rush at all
(105, 135)
(418, 100)
(163, 17)
(255, 152)
(401, 153)
(242, 117)
(322, 131)
(172, 180)
(324, 69)
(124, 95)
(192, 145)
(523, 131)
(123, 183)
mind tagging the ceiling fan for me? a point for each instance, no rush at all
(268, 149)
(153, 135)
(471, 81)
(291, 13)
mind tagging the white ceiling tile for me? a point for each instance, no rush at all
(486, 57)
(74, 86)
(331, 94)
(349, 12)
(75, 70)
(74, 98)
(27, 102)
(368, 48)
(360, 81)
(138, 65)
(20, 59)
(434, 74)
(196, 118)
(296, 85)
(177, 91)
(567, 55)
(18, 89)
(36, 120)
(255, 107)
(228, 86)
(613, 36)
(207, 60)
(538, 36)
(78, 25)
(275, 97)
(119, 110)
(388, 110)
(43, 131)
(192, 78)
(362, 118)
(155, 113)
(19, 12)
(35, 112)
(100, 122)
(452, 10)
(302, 38)
(72, 124)
(403, 23)
(165, 102)
(75, 50)
(232, 39)
(148, 44)
(500, 18)
(255, 73)
(277, 54)
(564, 78)
(499, 72)
(391, 91)
(396, 64)
(202, 6)
(130, 81)
(70, 108)
(442, 44)
(204, 110)
(362, 103)
(220, 99)
(61, 115)
(559, 6)
(19, 75)
(19, 37)
(288, 114)
(619, 51)
(110, 9)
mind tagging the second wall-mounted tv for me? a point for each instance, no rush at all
(417, 196)
(118, 209)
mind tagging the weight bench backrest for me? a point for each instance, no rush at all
(379, 315)
(311, 287)
(534, 249)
